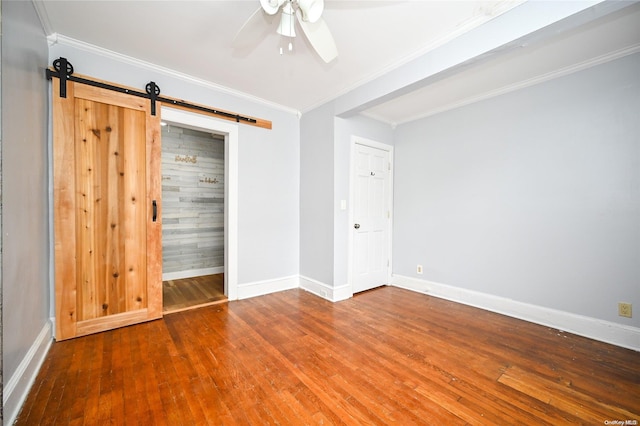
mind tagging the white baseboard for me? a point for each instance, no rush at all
(593, 328)
(260, 288)
(333, 294)
(178, 275)
(17, 387)
(342, 292)
(52, 320)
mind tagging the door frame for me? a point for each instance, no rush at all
(230, 131)
(357, 140)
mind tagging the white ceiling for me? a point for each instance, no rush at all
(373, 37)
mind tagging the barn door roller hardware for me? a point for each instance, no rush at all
(63, 70)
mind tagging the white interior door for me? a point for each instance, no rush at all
(371, 217)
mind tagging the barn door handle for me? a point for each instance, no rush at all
(155, 210)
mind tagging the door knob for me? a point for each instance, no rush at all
(357, 226)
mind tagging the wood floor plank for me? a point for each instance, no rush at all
(388, 356)
(146, 375)
(188, 293)
(44, 397)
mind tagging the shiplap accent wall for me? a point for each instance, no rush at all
(192, 202)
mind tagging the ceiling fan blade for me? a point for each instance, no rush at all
(320, 37)
(255, 29)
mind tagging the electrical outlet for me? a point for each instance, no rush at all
(624, 309)
(419, 269)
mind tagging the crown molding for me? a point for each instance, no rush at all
(379, 118)
(43, 16)
(63, 40)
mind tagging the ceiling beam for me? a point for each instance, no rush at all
(529, 22)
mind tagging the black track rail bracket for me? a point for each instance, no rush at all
(59, 65)
(63, 70)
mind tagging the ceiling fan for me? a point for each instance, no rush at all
(308, 14)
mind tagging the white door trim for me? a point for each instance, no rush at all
(357, 140)
(230, 130)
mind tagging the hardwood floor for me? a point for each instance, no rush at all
(291, 358)
(195, 292)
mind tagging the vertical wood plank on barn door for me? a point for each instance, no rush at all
(108, 267)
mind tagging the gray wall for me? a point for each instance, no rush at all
(316, 194)
(532, 196)
(192, 200)
(268, 184)
(25, 240)
(1, 377)
(269, 199)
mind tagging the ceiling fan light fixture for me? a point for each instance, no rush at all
(287, 21)
(311, 9)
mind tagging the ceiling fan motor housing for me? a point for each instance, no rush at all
(287, 22)
(311, 9)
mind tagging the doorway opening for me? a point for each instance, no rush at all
(193, 192)
(199, 157)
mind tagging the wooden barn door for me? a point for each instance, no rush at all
(107, 230)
